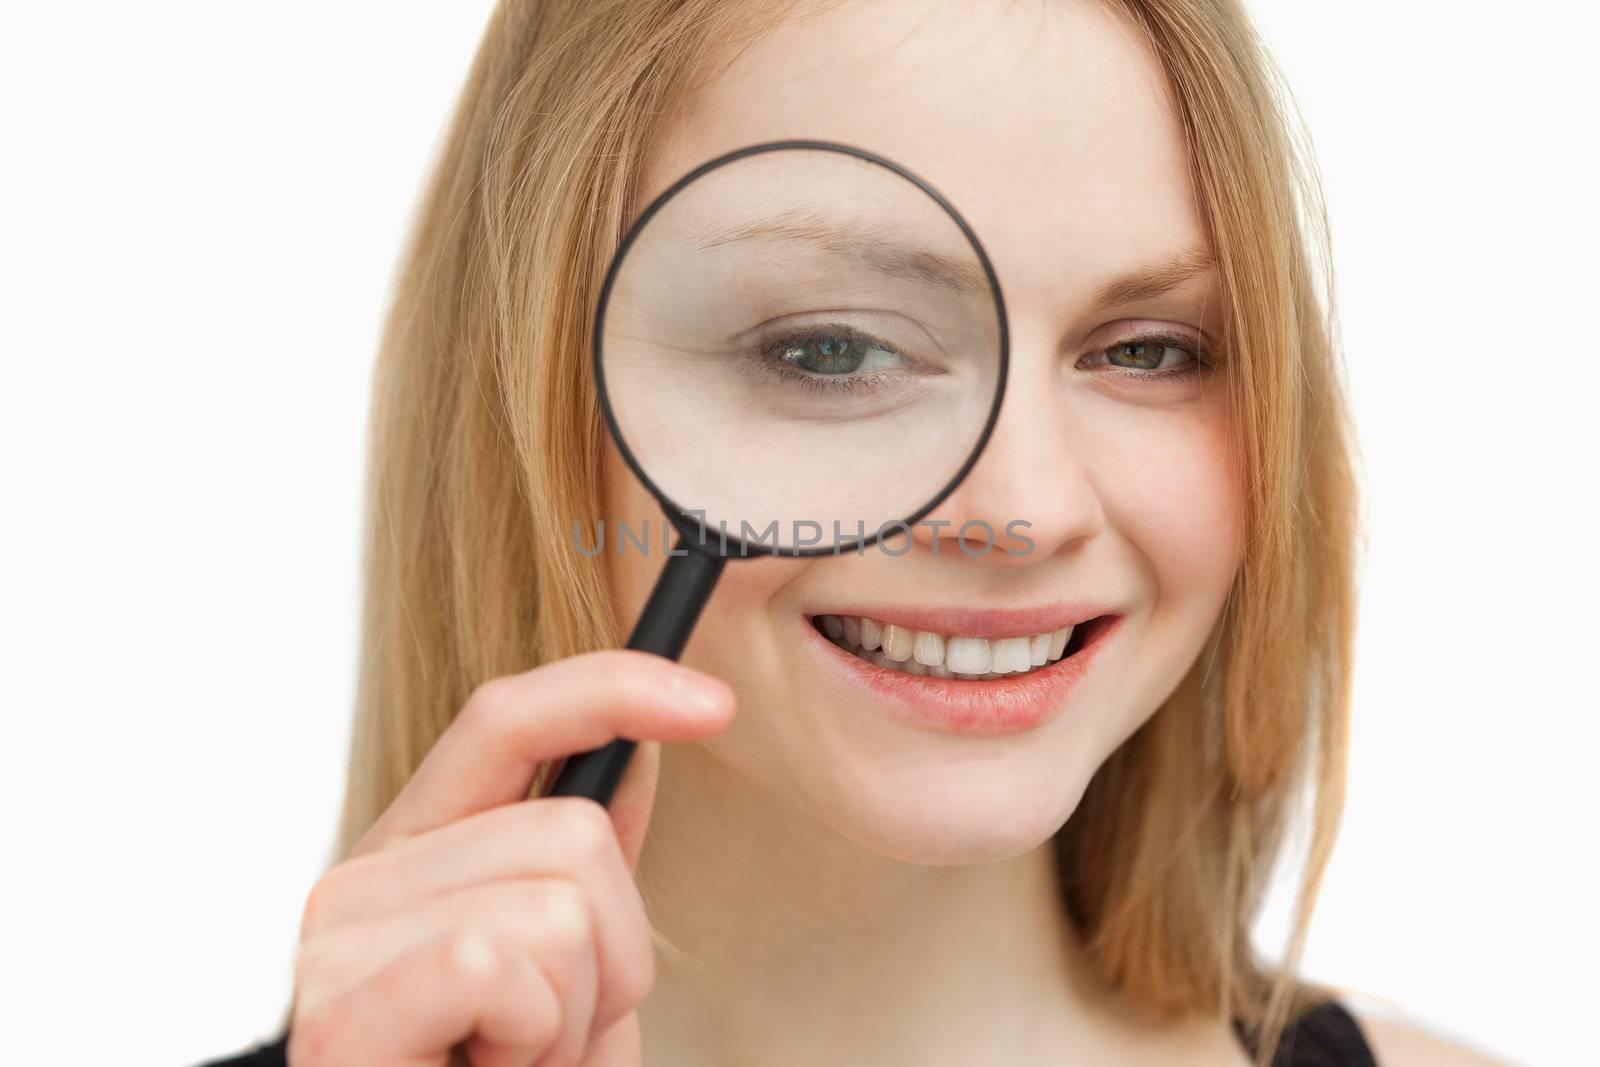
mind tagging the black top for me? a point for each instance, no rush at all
(1325, 1036)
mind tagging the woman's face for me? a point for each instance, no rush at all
(1049, 127)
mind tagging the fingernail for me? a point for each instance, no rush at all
(699, 694)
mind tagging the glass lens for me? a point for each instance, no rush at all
(800, 347)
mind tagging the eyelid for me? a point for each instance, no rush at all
(1164, 332)
(1134, 327)
(1169, 338)
(872, 322)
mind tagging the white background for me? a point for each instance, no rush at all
(201, 209)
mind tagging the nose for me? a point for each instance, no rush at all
(1031, 494)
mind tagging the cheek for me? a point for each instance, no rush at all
(1178, 500)
(1174, 503)
(1174, 500)
(1191, 522)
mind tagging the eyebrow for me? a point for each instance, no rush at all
(1154, 280)
(948, 272)
(865, 243)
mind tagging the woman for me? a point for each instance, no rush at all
(824, 882)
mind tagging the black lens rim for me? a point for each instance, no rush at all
(694, 532)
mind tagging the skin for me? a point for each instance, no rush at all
(848, 889)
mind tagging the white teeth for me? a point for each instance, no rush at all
(871, 635)
(967, 655)
(1010, 654)
(1038, 649)
(897, 641)
(924, 652)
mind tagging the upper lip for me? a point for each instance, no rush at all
(967, 621)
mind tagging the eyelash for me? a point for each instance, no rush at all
(1201, 357)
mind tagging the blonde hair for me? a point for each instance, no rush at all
(486, 442)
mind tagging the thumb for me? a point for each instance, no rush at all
(635, 798)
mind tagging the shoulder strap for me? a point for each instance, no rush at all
(1324, 1036)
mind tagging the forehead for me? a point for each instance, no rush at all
(1047, 123)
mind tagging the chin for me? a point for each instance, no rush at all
(950, 808)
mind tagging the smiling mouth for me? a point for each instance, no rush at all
(938, 655)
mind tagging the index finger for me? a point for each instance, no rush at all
(510, 725)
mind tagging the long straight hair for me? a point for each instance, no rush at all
(486, 442)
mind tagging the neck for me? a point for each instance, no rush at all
(788, 936)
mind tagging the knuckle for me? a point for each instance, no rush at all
(487, 701)
(565, 915)
(331, 893)
(472, 953)
(320, 900)
(586, 830)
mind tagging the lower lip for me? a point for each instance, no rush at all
(955, 705)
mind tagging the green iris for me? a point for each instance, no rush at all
(1149, 356)
(827, 355)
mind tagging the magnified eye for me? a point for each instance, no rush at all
(834, 358)
(834, 350)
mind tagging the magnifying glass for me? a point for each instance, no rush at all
(800, 349)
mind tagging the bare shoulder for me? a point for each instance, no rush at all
(1398, 1041)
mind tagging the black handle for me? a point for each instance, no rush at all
(663, 628)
